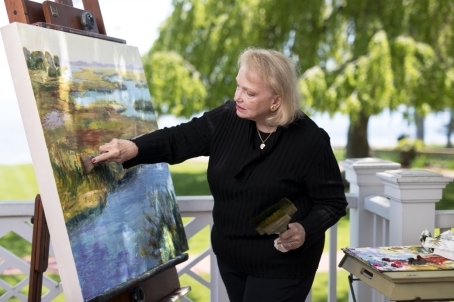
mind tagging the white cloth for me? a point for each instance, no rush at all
(278, 245)
(442, 245)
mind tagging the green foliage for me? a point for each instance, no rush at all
(419, 162)
(447, 201)
(407, 144)
(174, 83)
(211, 34)
(357, 57)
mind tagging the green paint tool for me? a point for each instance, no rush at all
(274, 220)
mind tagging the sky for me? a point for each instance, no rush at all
(137, 22)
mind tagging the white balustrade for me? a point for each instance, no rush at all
(361, 174)
(415, 192)
(393, 208)
(15, 217)
(199, 208)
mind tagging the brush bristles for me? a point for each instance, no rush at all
(278, 226)
(87, 165)
(272, 216)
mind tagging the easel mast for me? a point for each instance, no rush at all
(40, 251)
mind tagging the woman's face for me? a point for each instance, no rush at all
(253, 97)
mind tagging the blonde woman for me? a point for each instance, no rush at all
(261, 149)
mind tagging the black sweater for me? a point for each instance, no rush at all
(297, 163)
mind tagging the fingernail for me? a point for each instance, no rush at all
(93, 160)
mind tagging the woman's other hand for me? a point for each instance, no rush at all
(294, 237)
(117, 150)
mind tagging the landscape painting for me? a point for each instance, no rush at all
(75, 93)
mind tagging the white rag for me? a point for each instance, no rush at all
(278, 245)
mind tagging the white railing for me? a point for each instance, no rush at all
(379, 202)
(392, 208)
(15, 217)
(199, 208)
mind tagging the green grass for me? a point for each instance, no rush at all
(13, 280)
(18, 182)
(189, 178)
(198, 291)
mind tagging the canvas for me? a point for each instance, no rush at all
(76, 93)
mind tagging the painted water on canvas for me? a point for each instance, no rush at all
(120, 223)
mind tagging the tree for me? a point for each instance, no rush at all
(358, 57)
(174, 84)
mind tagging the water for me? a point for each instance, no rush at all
(108, 247)
(126, 97)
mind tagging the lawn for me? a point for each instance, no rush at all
(189, 178)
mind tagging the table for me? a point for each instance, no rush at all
(402, 273)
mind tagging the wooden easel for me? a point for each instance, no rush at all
(61, 15)
(158, 286)
(162, 283)
(40, 251)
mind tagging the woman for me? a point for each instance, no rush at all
(261, 149)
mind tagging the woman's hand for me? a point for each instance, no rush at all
(294, 237)
(117, 150)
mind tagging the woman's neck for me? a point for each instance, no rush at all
(265, 128)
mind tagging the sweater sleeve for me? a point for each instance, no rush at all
(179, 143)
(326, 190)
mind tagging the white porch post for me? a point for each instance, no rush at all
(361, 174)
(412, 194)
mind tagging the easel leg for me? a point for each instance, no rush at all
(40, 251)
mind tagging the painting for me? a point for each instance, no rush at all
(75, 93)
(400, 258)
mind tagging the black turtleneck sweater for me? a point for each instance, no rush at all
(297, 163)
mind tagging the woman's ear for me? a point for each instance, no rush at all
(277, 101)
(275, 104)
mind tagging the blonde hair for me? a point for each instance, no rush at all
(279, 74)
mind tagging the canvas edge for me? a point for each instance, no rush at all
(11, 35)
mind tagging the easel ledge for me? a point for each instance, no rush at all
(61, 15)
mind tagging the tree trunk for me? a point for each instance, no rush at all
(357, 143)
(419, 121)
(449, 129)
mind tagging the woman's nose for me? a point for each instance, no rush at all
(238, 95)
